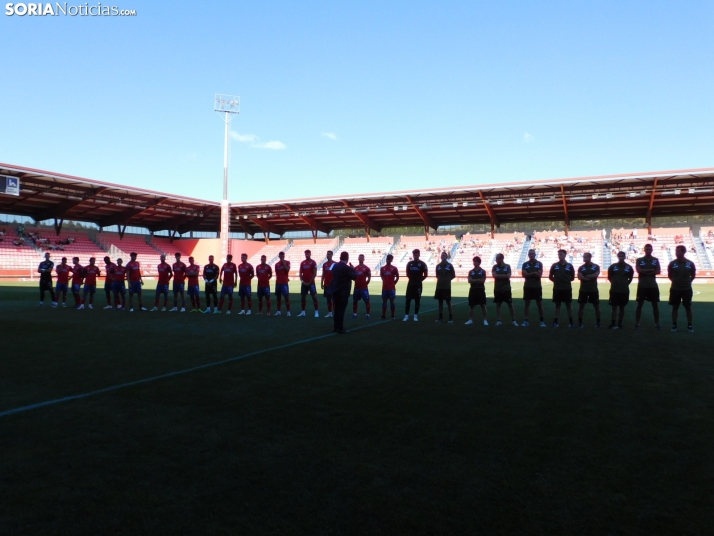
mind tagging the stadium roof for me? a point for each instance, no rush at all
(663, 193)
(46, 195)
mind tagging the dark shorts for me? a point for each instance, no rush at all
(680, 296)
(500, 296)
(533, 294)
(178, 287)
(562, 296)
(413, 291)
(264, 292)
(118, 287)
(619, 298)
(592, 296)
(227, 290)
(90, 289)
(244, 291)
(648, 294)
(443, 294)
(360, 294)
(135, 287)
(477, 296)
(282, 289)
(194, 290)
(210, 288)
(162, 289)
(305, 289)
(46, 284)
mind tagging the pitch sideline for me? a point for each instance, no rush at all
(70, 398)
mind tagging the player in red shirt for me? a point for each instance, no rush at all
(364, 276)
(245, 274)
(118, 277)
(133, 274)
(227, 278)
(162, 285)
(179, 270)
(326, 281)
(91, 273)
(390, 276)
(63, 270)
(282, 268)
(308, 273)
(108, 281)
(264, 273)
(77, 279)
(193, 271)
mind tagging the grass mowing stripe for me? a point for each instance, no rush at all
(52, 402)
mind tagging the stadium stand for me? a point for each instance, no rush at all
(147, 255)
(663, 240)
(706, 240)
(296, 253)
(374, 251)
(68, 244)
(512, 246)
(576, 243)
(430, 250)
(270, 251)
(18, 255)
(165, 245)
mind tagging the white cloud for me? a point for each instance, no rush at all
(244, 138)
(253, 140)
(330, 135)
(273, 145)
(527, 137)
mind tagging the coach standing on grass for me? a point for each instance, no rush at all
(341, 288)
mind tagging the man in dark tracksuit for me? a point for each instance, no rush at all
(45, 271)
(341, 288)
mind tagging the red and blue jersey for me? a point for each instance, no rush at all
(133, 269)
(363, 271)
(389, 275)
(179, 270)
(264, 273)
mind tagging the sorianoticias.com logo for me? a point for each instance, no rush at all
(57, 9)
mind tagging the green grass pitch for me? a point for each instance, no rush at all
(396, 428)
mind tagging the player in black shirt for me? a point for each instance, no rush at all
(45, 271)
(416, 273)
(210, 276)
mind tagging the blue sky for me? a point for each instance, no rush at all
(354, 97)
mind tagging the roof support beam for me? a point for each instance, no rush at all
(366, 220)
(565, 210)
(172, 224)
(650, 207)
(128, 214)
(58, 226)
(312, 222)
(426, 218)
(61, 208)
(265, 226)
(491, 213)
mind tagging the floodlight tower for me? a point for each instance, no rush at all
(228, 105)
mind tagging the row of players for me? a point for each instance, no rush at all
(681, 272)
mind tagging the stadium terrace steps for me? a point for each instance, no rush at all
(487, 248)
(576, 243)
(270, 251)
(374, 251)
(430, 251)
(81, 245)
(296, 253)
